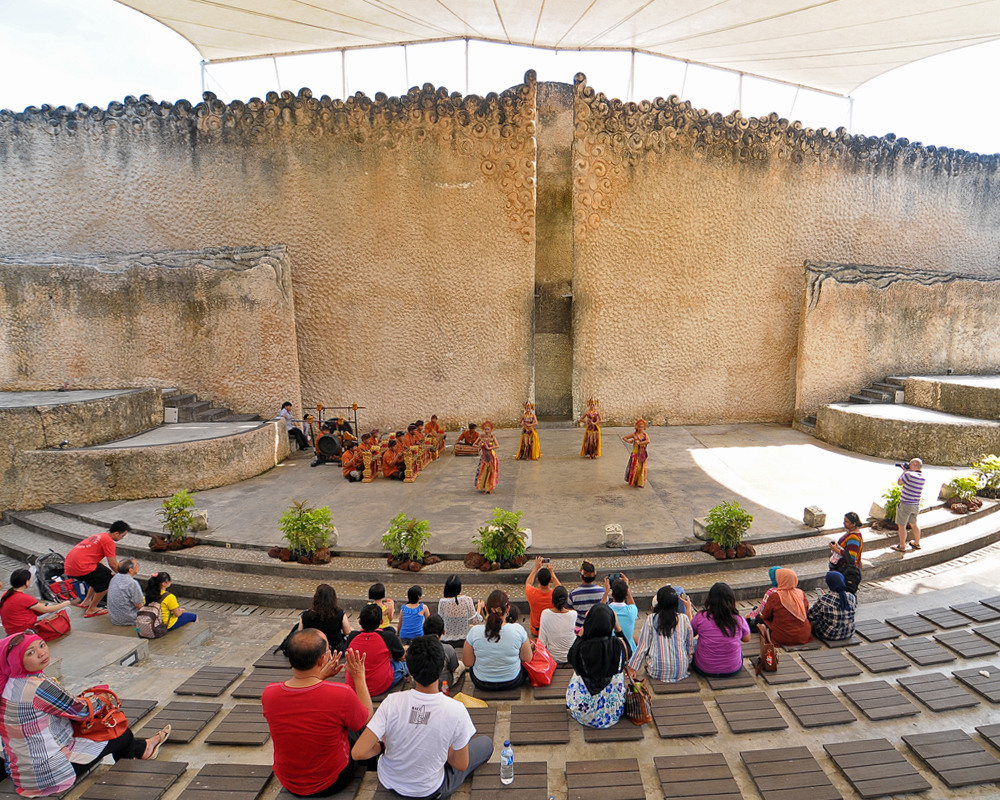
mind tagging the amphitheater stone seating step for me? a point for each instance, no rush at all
(131, 779)
(682, 716)
(186, 718)
(923, 652)
(829, 664)
(955, 757)
(878, 701)
(816, 707)
(936, 692)
(614, 779)
(987, 685)
(875, 768)
(705, 775)
(966, 644)
(228, 782)
(788, 773)
(243, 726)
(750, 712)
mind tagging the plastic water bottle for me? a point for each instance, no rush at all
(507, 764)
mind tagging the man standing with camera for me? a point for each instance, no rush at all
(912, 480)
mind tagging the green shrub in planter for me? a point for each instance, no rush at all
(306, 529)
(501, 538)
(407, 537)
(176, 515)
(965, 486)
(891, 497)
(727, 524)
(987, 472)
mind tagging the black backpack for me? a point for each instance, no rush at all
(851, 573)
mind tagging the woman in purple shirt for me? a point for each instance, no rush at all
(719, 629)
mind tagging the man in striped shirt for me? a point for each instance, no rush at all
(588, 594)
(912, 480)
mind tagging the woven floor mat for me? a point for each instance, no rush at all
(749, 712)
(878, 700)
(875, 768)
(677, 717)
(955, 757)
(185, 717)
(788, 773)
(612, 779)
(816, 707)
(244, 725)
(830, 664)
(228, 782)
(936, 692)
(542, 724)
(987, 685)
(706, 775)
(132, 779)
(209, 681)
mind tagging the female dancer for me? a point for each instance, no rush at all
(592, 435)
(635, 472)
(488, 473)
(529, 449)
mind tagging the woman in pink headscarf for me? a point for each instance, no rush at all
(43, 755)
(785, 612)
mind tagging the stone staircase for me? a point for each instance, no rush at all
(889, 390)
(191, 409)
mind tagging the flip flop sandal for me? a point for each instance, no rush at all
(99, 613)
(897, 548)
(914, 545)
(164, 735)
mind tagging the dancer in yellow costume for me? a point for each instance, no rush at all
(592, 435)
(488, 473)
(635, 472)
(529, 449)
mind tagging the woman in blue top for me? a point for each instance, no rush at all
(412, 615)
(494, 651)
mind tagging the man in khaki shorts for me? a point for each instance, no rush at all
(912, 480)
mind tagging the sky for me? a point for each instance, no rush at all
(65, 52)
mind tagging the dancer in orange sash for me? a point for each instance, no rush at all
(592, 435)
(488, 474)
(529, 449)
(635, 472)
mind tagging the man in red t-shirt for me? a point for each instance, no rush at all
(313, 722)
(83, 563)
(539, 597)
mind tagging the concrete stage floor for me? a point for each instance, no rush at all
(54, 398)
(772, 470)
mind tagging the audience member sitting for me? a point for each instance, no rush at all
(459, 612)
(539, 597)
(327, 616)
(434, 626)
(313, 722)
(832, 616)
(494, 652)
(785, 614)
(596, 692)
(666, 642)
(720, 629)
(428, 743)
(293, 430)
(173, 615)
(19, 611)
(43, 755)
(83, 563)
(622, 603)
(848, 548)
(465, 445)
(352, 462)
(376, 595)
(383, 651)
(125, 596)
(557, 627)
(588, 594)
(412, 615)
(753, 618)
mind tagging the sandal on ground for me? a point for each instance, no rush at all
(897, 548)
(99, 613)
(163, 735)
(915, 545)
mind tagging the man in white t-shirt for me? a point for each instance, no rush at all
(427, 741)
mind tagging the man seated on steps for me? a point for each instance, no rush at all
(383, 651)
(314, 722)
(83, 563)
(426, 742)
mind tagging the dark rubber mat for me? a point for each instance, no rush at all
(555, 690)
(689, 685)
(987, 685)
(611, 779)
(244, 725)
(706, 775)
(875, 631)
(185, 717)
(788, 773)
(210, 681)
(977, 612)
(135, 710)
(132, 779)
(944, 618)
(744, 679)
(877, 700)
(830, 664)
(912, 625)
(254, 684)
(966, 644)
(531, 782)
(955, 757)
(878, 658)
(789, 671)
(228, 782)
(816, 707)
(677, 717)
(622, 731)
(875, 768)
(924, 652)
(749, 712)
(541, 724)
(936, 692)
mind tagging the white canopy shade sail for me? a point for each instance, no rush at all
(829, 45)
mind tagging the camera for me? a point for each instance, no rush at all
(546, 560)
(904, 465)
(614, 576)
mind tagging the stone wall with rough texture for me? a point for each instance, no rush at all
(967, 397)
(860, 324)
(217, 321)
(409, 223)
(691, 234)
(43, 477)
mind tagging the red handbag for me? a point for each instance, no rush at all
(107, 722)
(53, 627)
(542, 666)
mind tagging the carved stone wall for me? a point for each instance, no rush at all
(409, 224)
(691, 234)
(862, 323)
(217, 321)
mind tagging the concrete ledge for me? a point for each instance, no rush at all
(43, 477)
(904, 431)
(975, 396)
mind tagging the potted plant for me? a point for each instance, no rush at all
(987, 472)
(177, 515)
(308, 533)
(405, 542)
(962, 497)
(727, 524)
(501, 543)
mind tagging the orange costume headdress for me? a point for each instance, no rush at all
(639, 422)
(487, 425)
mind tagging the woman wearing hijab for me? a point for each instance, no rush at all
(596, 693)
(785, 614)
(753, 618)
(832, 616)
(43, 755)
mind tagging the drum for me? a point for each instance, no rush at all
(328, 445)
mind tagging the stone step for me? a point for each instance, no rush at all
(178, 400)
(861, 399)
(890, 388)
(190, 412)
(897, 380)
(241, 418)
(879, 396)
(212, 415)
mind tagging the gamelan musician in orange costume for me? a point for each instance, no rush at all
(465, 444)
(432, 428)
(352, 462)
(393, 465)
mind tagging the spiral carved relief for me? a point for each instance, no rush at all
(611, 137)
(499, 129)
